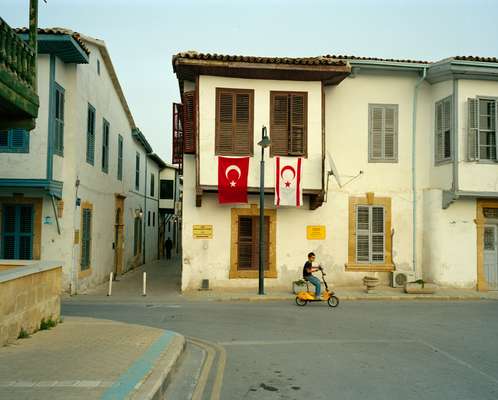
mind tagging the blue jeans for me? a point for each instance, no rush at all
(316, 282)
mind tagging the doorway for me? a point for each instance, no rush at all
(491, 255)
(118, 236)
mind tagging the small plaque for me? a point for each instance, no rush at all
(315, 232)
(202, 231)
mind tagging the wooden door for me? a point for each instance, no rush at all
(491, 256)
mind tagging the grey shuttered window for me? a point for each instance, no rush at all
(14, 140)
(234, 122)
(90, 135)
(482, 143)
(58, 134)
(86, 238)
(383, 133)
(105, 146)
(443, 130)
(137, 171)
(120, 157)
(248, 243)
(288, 123)
(152, 185)
(370, 234)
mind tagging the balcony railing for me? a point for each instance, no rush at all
(17, 79)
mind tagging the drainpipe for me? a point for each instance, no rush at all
(414, 174)
(145, 209)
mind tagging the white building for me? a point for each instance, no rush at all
(414, 148)
(83, 186)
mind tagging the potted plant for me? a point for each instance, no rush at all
(420, 287)
(299, 286)
(370, 283)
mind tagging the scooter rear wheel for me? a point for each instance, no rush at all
(333, 301)
(300, 302)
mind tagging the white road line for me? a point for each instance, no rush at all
(459, 361)
(72, 384)
(313, 341)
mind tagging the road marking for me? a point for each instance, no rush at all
(313, 341)
(211, 349)
(71, 384)
(459, 361)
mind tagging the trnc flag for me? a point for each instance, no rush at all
(232, 179)
(288, 182)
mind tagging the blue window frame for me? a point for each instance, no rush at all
(58, 136)
(90, 135)
(120, 157)
(17, 232)
(105, 147)
(14, 141)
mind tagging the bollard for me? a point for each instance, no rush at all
(144, 293)
(109, 292)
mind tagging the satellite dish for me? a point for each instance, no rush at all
(333, 169)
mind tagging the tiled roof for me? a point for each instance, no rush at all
(476, 58)
(346, 57)
(259, 60)
(58, 31)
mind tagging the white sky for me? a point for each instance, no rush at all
(142, 36)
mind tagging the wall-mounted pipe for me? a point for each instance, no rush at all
(414, 164)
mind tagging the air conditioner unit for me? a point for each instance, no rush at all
(399, 278)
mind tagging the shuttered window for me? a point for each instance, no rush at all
(120, 157)
(17, 232)
(58, 136)
(14, 141)
(166, 190)
(105, 146)
(86, 238)
(189, 122)
(482, 143)
(370, 234)
(234, 122)
(288, 123)
(248, 243)
(152, 185)
(443, 131)
(137, 171)
(137, 236)
(90, 135)
(383, 133)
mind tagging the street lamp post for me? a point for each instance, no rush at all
(265, 142)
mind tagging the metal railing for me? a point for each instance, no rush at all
(16, 55)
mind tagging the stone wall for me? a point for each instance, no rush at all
(28, 295)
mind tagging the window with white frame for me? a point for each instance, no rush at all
(383, 133)
(370, 229)
(482, 122)
(443, 130)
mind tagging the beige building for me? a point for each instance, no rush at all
(400, 171)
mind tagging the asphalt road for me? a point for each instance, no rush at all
(360, 350)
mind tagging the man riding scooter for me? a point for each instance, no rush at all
(308, 270)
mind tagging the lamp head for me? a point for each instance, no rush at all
(265, 140)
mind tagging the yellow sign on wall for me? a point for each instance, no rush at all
(202, 231)
(315, 232)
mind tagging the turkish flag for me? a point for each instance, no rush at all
(288, 190)
(232, 179)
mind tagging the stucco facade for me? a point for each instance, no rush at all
(428, 237)
(82, 184)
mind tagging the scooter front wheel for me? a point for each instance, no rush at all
(333, 301)
(300, 302)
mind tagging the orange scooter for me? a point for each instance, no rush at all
(303, 298)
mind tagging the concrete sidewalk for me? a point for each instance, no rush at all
(164, 277)
(85, 358)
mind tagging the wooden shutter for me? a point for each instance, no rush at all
(279, 124)
(9, 232)
(473, 130)
(86, 238)
(59, 121)
(90, 136)
(446, 150)
(177, 147)
(376, 130)
(18, 232)
(234, 122)
(120, 157)
(390, 133)
(362, 234)
(377, 234)
(245, 244)
(189, 122)
(439, 140)
(297, 135)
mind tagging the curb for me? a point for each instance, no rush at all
(154, 385)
